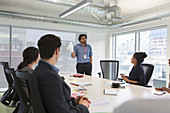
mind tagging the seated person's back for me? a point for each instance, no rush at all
(55, 93)
(30, 58)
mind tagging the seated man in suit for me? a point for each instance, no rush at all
(55, 93)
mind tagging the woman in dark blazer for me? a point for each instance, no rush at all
(136, 75)
(30, 58)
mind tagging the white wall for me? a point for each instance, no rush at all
(165, 21)
(97, 38)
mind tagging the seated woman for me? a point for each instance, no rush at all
(164, 88)
(136, 76)
(30, 58)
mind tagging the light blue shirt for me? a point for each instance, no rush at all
(56, 69)
(81, 51)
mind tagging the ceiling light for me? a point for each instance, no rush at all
(75, 8)
(124, 25)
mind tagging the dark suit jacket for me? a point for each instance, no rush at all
(55, 93)
(137, 74)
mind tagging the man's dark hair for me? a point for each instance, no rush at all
(82, 36)
(47, 45)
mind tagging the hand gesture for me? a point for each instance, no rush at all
(73, 54)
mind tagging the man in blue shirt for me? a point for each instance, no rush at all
(83, 52)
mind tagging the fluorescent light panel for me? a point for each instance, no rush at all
(75, 8)
(139, 23)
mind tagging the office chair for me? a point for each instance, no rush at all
(148, 70)
(109, 69)
(31, 101)
(9, 98)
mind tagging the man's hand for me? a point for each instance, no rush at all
(163, 89)
(73, 54)
(84, 101)
(160, 89)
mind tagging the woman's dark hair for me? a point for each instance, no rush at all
(140, 56)
(82, 36)
(30, 55)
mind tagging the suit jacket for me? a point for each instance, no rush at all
(55, 93)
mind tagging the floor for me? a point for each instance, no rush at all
(5, 109)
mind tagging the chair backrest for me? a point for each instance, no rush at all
(8, 76)
(9, 98)
(109, 69)
(34, 98)
(148, 70)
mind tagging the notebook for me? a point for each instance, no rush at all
(110, 92)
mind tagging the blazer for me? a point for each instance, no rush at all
(137, 74)
(55, 93)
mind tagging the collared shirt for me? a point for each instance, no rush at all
(80, 51)
(137, 74)
(56, 69)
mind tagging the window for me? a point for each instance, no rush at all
(24, 37)
(4, 52)
(125, 47)
(153, 42)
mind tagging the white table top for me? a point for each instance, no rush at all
(107, 103)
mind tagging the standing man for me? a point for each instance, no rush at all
(55, 93)
(83, 52)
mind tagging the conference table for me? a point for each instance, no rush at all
(107, 103)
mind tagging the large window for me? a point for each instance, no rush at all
(153, 42)
(24, 37)
(4, 52)
(125, 46)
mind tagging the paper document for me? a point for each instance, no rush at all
(159, 93)
(70, 47)
(115, 82)
(110, 92)
(80, 83)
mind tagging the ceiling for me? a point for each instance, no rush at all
(96, 14)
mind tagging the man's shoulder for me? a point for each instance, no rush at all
(77, 45)
(88, 45)
(44, 73)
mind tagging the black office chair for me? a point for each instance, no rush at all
(9, 98)
(31, 101)
(109, 69)
(148, 70)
